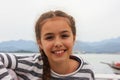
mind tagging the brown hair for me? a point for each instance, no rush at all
(51, 14)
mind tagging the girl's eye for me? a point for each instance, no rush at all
(49, 38)
(65, 36)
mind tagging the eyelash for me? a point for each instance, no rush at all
(49, 38)
(64, 36)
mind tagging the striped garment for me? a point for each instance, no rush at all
(30, 68)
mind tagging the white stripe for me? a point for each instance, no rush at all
(3, 71)
(87, 75)
(36, 56)
(27, 67)
(5, 60)
(1, 63)
(13, 59)
(31, 77)
(7, 78)
(24, 66)
(86, 67)
(37, 70)
(30, 59)
(82, 75)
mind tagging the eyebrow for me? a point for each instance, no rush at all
(65, 31)
(48, 34)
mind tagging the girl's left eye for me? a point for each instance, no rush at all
(64, 36)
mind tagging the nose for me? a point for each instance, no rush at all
(58, 42)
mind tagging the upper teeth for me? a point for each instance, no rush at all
(59, 52)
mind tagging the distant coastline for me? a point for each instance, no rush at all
(28, 46)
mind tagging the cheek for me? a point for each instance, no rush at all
(69, 43)
(47, 49)
(46, 46)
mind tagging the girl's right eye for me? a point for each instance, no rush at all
(49, 38)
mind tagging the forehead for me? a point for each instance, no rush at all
(55, 18)
(55, 24)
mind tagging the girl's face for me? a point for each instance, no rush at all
(57, 39)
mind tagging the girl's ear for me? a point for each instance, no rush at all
(39, 44)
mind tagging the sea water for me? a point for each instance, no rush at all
(96, 59)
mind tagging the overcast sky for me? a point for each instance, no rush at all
(96, 20)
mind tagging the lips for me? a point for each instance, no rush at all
(58, 52)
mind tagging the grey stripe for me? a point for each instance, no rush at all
(9, 61)
(21, 57)
(30, 63)
(87, 71)
(85, 63)
(30, 72)
(70, 78)
(1, 66)
(23, 76)
(3, 75)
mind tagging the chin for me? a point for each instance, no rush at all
(59, 60)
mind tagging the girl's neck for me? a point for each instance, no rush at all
(65, 67)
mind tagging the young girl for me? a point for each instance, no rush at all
(55, 34)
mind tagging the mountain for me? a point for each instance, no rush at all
(105, 46)
(18, 46)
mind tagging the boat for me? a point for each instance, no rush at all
(115, 66)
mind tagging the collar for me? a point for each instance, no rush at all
(75, 57)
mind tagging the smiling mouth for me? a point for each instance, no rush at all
(59, 52)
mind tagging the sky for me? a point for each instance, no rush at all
(96, 20)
